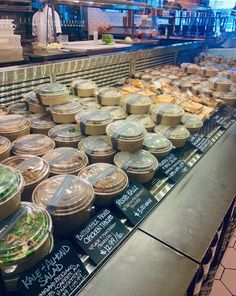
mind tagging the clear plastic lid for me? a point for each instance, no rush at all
(96, 145)
(32, 168)
(52, 89)
(166, 109)
(84, 84)
(66, 133)
(139, 161)
(10, 182)
(105, 178)
(123, 129)
(65, 160)
(143, 119)
(154, 142)
(42, 121)
(23, 232)
(109, 92)
(72, 106)
(3, 110)
(13, 123)
(35, 144)
(220, 80)
(19, 108)
(89, 103)
(137, 100)
(116, 112)
(224, 95)
(173, 132)
(191, 121)
(95, 117)
(5, 144)
(64, 194)
(32, 98)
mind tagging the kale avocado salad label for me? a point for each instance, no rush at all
(200, 142)
(58, 274)
(101, 235)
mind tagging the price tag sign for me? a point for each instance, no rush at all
(173, 167)
(58, 274)
(101, 235)
(135, 203)
(224, 121)
(200, 142)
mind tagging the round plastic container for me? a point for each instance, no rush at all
(138, 74)
(26, 240)
(183, 85)
(35, 144)
(33, 104)
(3, 110)
(93, 122)
(65, 160)
(136, 104)
(20, 108)
(52, 94)
(230, 74)
(202, 89)
(107, 180)
(11, 186)
(116, 112)
(89, 103)
(33, 169)
(140, 165)
(220, 84)
(192, 122)
(144, 119)
(109, 96)
(228, 97)
(41, 124)
(5, 148)
(68, 199)
(124, 135)
(66, 135)
(14, 126)
(157, 144)
(178, 135)
(98, 149)
(208, 71)
(84, 88)
(65, 113)
(166, 114)
(146, 77)
(189, 68)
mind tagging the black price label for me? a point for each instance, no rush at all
(101, 235)
(200, 142)
(58, 274)
(224, 121)
(135, 203)
(173, 167)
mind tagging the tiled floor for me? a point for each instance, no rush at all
(225, 281)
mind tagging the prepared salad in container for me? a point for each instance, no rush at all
(66, 135)
(89, 103)
(230, 74)
(25, 239)
(189, 68)
(93, 122)
(229, 98)
(208, 71)
(20, 108)
(146, 77)
(33, 169)
(52, 94)
(84, 88)
(65, 160)
(97, 148)
(109, 96)
(14, 126)
(116, 112)
(178, 134)
(124, 135)
(65, 113)
(157, 144)
(220, 84)
(11, 186)
(136, 104)
(166, 114)
(202, 89)
(34, 144)
(3, 110)
(5, 148)
(68, 199)
(140, 165)
(192, 122)
(143, 119)
(107, 180)
(41, 124)
(33, 104)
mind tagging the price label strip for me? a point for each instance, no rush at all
(200, 142)
(101, 235)
(223, 121)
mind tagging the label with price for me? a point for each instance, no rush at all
(101, 235)
(200, 142)
(135, 203)
(224, 121)
(173, 167)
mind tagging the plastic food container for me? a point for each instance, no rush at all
(93, 122)
(5, 148)
(107, 180)
(140, 166)
(138, 75)
(228, 97)
(166, 114)
(208, 71)
(189, 68)
(68, 199)
(183, 85)
(136, 104)
(98, 149)
(26, 240)
(89, 103)
(116, 112)
(157, 144)
(33, 104)
(192, 123)
(202, 89)
(66, 135)
(65, 113)
(3, 110)
(65, 160)
(109, 96)
(52, 94)
(144, 119)
(11, 186)
(178, 135)
(220, 84)
(124, 135)
(20, 108)
(33, 169)
(14, 126)
(35, 144)
(146, 77)
(84, 88)
(41, 124)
